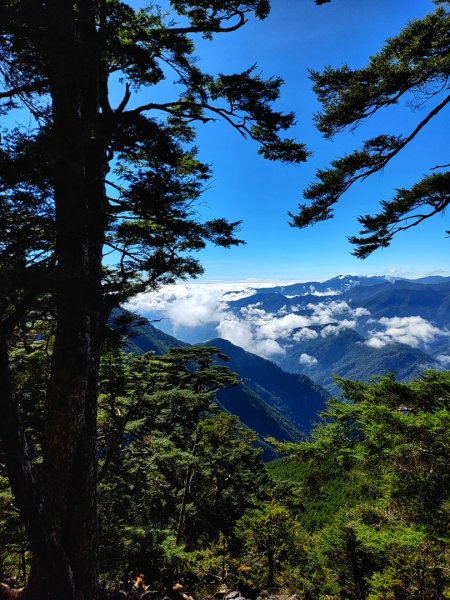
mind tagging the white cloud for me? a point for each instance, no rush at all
(313, 292)
(261, 332)
(274, 327)
(330, 314)
(376, 342)
(236, 330)
(196, 309)
(239, 295)
(327, 292)
(268, 348)
(264, 333)
(412, 331)
(305, 334)
(444, 359)
(184, 305)
(335, 328)
(198, 304)
(195, 305)
(307, 359)
(244, 334)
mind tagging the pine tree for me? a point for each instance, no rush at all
(88, 177)
(413, 65)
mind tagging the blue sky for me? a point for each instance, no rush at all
(297, 35)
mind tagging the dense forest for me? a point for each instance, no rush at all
(359, 510)
(116, 466)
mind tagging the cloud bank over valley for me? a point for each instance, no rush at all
(289, 319)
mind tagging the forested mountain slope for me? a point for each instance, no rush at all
(268, 400)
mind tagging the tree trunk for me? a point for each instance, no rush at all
(186, 491)
(23, 484)
(69, 450)
(60, 520)
(358, 575)
(270, 566)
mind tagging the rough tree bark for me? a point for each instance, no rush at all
(60, 520)
(69, 450)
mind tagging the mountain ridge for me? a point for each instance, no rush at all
(352, 326)
(280, 389)
(271, 409)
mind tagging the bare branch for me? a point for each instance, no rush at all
(181, 108)
(125, 100)
(23, 89)
(390, 156)
(440, 167)
(211, 29)
(406, 141)
(418, 218)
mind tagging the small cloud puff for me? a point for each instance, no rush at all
(304, 334)
(335, 328)
(326, 312)
(307, 359)
(444, 359)
(412, 331)
(244, 334)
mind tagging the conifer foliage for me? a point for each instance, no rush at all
(99, 179)
(374, 492)
(413, 65)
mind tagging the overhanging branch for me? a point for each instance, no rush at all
(213, 28)
(23, 89)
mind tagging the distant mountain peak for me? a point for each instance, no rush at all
(356, 326)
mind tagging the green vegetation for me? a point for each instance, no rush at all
(98, 158)
(374, 484)
(175, 473)
(413, 65)
(360, 510)
(124, 463)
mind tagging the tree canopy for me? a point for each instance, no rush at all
(412, 66)
(98, 202)
(374, 484)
